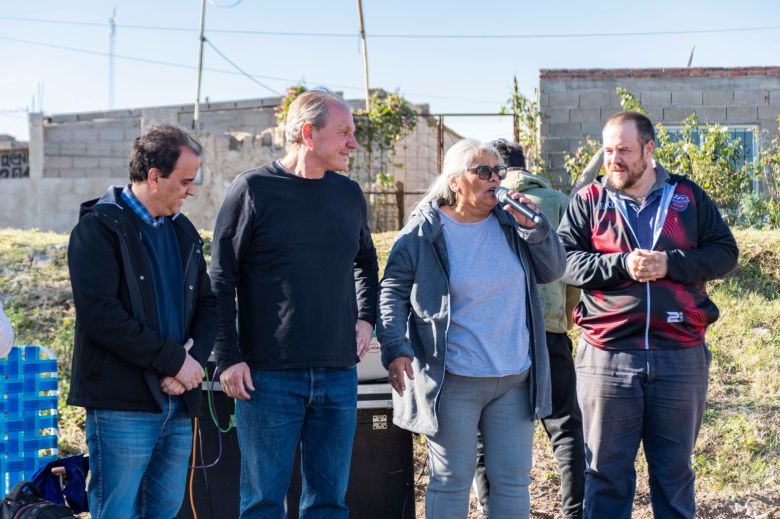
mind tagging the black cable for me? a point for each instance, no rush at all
(245, 74)
(410, 492)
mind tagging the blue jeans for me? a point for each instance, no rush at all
(138, 461)
(500, 408)
(655, 397)
(316, 406)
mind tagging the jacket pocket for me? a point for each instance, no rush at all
(95, 366)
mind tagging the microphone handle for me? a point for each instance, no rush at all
(521, 208)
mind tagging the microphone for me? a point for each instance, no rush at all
(502, 195)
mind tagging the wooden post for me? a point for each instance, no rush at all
(399, 202)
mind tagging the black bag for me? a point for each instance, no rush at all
(19, 504)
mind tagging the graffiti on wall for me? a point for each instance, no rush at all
(14, 163)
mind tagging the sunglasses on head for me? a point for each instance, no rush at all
(485, 172)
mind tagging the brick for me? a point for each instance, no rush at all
(741, 114)
(594, 99)
(555, 115)
(718, 97)
(585, 115)
(656, 99)
(751, 97)
(687, 98)
(111, 134)
(564, 99)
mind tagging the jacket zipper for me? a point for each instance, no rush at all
(446, 331)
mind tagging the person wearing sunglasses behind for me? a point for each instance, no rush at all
(462, 334)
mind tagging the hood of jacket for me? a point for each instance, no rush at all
(522, 181)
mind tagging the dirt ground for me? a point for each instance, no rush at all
(545, 494)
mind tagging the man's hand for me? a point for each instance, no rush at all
(519, 217)
(191, 373)
(646, 265)
(171, 386)
(399, 367)
(363, 334)
(237, 381)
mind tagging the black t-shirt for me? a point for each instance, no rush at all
(299, 256)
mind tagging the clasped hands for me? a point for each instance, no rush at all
(189, 376)
(647, 265)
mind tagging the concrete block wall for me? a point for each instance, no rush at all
(575, 103)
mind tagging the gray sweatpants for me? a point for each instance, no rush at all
(500, 408)
(653, 396)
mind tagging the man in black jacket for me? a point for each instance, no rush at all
(145, 324)
(292, 242)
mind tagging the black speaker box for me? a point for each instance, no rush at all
(381, 474)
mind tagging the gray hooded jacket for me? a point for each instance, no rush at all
(414, 310)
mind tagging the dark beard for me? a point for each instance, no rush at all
(628, 181)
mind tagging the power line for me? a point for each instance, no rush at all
(244, 73)
(223, 71)
(524, 36)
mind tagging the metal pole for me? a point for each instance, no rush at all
(515, 115)
(196, 114)
(112, 33)
(365, 52)
(440, 145)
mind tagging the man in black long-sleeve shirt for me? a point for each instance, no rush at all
(292, 244)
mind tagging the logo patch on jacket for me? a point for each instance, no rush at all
(674, 317)
(680, 202)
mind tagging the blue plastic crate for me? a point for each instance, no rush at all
(28, 413)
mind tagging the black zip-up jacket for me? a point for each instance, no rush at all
(119, 357)
(618, 313)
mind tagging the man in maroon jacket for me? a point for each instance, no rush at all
(642, 244)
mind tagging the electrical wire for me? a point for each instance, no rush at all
(192, 468)
(244, 73)
(524, 36)
(227, 6)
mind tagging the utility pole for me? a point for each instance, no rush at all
(111, 48)
(515, 115)
(365, 52)
(196, 114)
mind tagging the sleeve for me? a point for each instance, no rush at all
(716, 251)
(586, 268)
(366, 269)
(232, 235)
(548, 258)
(395, 304)
(203, 328)
(96, 271)
(6, 334)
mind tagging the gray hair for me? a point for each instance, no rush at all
(459, 157)
(309, 107)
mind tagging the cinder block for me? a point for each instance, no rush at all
(774, 97)
(132, 133)
(85, 134)
(592, 129)
(687, 98)
(769, 113)
(111, 163)
(751, 97)
(121, 148)
(705, 114)
(552, 145)
(564, 99)
(571, 130)
(59, 162)
(57, 134)
(72, 148)
(579, 115)
(741, 114)
(83, 163)
(718, 97)
(544, 99)
(594, 99)
(49, 172)
(98, 149)
(656, 99)
(111, 134)
(556, 115)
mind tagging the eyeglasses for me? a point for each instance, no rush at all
(485, 172)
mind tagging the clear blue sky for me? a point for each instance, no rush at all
(452, 75)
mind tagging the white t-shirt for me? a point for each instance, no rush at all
(6, 333)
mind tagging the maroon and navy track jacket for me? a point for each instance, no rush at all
(618, 313)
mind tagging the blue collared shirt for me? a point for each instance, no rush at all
(139, 209)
